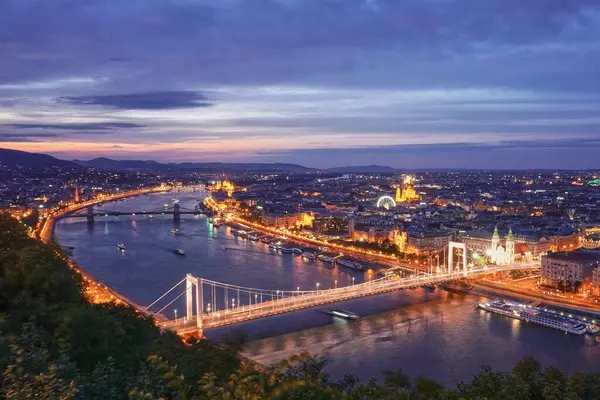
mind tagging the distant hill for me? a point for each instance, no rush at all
(22, 158)
(363, 169)
(108, 163)
(189, 166)
(14, 158)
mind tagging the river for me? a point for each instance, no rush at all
(439, 334)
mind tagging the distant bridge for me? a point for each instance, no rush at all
(174, 210)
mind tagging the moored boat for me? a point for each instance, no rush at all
(266, 239)
(568, 323)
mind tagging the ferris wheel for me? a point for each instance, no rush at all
(386, 202)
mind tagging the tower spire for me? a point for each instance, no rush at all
(496, 234)
(495, 239)
(510, 246)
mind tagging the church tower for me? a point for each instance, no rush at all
(398, 196)
(495, 239)
(76, 194)
(510, 246)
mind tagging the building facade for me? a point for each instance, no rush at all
(567, 268)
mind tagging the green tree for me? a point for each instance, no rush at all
(31, 374)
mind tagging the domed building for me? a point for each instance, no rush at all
(406, 193)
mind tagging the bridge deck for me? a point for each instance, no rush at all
(117, 213)
(294, 303)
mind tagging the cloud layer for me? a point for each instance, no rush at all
(142, 101)
(247, 79)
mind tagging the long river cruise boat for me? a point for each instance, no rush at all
(553, 319)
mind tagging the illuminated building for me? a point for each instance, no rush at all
(596, 281)
(406, 193)
(280, 220)
(499, 254)
(371, 234)
(306, 219)
(226, 186)
(400, 237)
(331, 223)
(567, 267)
(426, 243)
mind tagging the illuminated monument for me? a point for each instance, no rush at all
(502, 255)
(406, 193)
(225, 186)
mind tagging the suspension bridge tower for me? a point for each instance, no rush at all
(192, 282)
(452, 246)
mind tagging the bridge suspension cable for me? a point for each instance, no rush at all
(164, 294)
(172, 301)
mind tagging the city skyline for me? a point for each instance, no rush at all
(413, 84)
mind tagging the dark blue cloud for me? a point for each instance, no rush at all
(27, 137)
(166, 100)
(91, 126)
(551, 154)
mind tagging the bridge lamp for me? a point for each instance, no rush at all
(318, 286)
(175, 315)
(336, 283)
(352, 280)
(208, 308)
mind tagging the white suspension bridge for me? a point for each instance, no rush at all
(211, 304)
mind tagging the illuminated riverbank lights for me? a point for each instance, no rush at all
(386, 202)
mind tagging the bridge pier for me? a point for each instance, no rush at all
(176, 213)
(90, 215)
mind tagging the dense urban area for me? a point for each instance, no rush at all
(77, 339)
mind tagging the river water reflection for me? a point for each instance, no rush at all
(438, 334)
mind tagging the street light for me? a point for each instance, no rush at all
(352, 281)
(336, 283)
(175, 315)
(318, 287)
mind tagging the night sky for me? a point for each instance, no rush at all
(404, 83)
